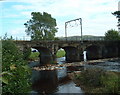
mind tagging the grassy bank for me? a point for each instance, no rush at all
(98, 81)
(34, 56)
(60, 53)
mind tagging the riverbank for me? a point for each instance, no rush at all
(112, 89)
(97, 81)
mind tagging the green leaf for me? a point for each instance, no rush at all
(5, 72)
(4, 80)
(26, 68)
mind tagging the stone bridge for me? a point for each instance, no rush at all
(74, 49)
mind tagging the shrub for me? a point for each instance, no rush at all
(99, 81)
(16, 80)
(26, 53)
(110, 82)
(91, 77)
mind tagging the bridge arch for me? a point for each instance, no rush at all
(94, 52)
(72, 54)
(111, 50)
(45, 55)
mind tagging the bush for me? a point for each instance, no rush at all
(26, 53)
(91, 77)
(99, 81)
(110, 82)
(16, 79)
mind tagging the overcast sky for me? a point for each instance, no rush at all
(96, 15)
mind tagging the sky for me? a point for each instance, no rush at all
(96, 16)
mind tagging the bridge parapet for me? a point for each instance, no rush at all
(74, 49)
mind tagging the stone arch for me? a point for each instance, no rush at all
(111, 50)
(72, 54)
(45, 55)
(94, 52)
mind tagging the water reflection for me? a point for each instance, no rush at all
(62, 72)
(44, 81)
(69, 87)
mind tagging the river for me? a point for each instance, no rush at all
(56, 81)
(109, 65)
(49, 82)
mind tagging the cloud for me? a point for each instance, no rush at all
(96, 14)
(17, 31)
(20, 7)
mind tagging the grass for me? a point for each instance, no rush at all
(60, 53)
(34, 56)
(98, 81)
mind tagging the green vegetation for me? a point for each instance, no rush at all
(34, 56)
(117, 14)
(41, 26)
(26, 54)
(15, 72)
(112, 35)
(99, 81)
(60, 53)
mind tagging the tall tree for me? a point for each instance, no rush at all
(117, 14)
(112, 35)
(41, 26)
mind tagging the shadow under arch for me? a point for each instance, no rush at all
(94, 52)
(72, 54)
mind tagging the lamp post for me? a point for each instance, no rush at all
(79, 19)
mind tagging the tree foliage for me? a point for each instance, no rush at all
(41, 26)
(15, 72)
(117, 14)
(112, 35)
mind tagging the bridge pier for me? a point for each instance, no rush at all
(45, 55)
(54, 58)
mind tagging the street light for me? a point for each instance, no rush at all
(79, 19)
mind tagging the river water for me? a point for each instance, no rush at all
(113, 65)
(52, 82)
(56, 81)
